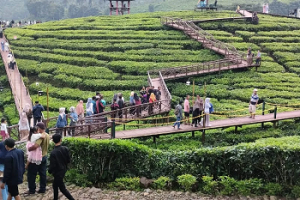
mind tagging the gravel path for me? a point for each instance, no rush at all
(80, 193)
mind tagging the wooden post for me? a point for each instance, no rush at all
(154, 139)
(113, 130)
(203, 136)
(193, 134)
(235, 130)
(89, 131)
(65, 131)
(105, 121)
(263, 112)
(138, 124)
(124, 127)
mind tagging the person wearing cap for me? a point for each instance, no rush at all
(33, 168)
(253, 103)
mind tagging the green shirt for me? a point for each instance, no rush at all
(44, 144)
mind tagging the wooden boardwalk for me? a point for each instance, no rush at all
(19, 91)
(165, 130)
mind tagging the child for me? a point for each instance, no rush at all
(4, 132)
(36, 155)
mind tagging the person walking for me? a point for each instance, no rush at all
(94, 105)
(89, 107)
(4, 132)
(207, 110)
(14, 169)
(137, 101)
(61, 121)
(195, 114)
(100, 106)
(258, 58)
(178, 114)
(3, 153)
(33, 168)
(36, 155)
(23, 125)
(120, 102)
(253, 103)
(187, 110)
(28, 111)
(199, 104)
(114, 106)
(37, 113)
(73, 121)
(80, 109)
(249, 56)
(59, 160)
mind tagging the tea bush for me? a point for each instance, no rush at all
(186, 181)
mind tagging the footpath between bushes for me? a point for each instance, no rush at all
(80, 193)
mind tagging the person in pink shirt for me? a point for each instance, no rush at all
(187, 110)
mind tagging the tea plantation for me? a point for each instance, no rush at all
(74, 58)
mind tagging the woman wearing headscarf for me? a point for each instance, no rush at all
(28, 111)
(207, 107)
(23, 125)
(74, 119)
(132, 103)
(61, 121)
(137, 102)
(89, 107)
(152, 99)
(79, 109)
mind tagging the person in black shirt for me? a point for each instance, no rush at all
(59, 160)
(121, 105)
(14, 169)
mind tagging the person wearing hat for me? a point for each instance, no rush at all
(33, 168)
(253, 103)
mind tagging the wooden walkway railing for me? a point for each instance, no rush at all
(19, 90)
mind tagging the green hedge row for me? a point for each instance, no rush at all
(273, 160)
(33, 67)
(72, 93)
(48, 57)
(93, 58)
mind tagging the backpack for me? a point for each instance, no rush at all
(176, 110)
(211, 109)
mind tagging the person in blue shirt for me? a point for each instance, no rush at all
(61, 121)
(14, 169)
(73, 120)
(3, 153)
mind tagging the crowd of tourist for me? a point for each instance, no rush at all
(202, 108)
(199, 106)
(251, 56)
(12, 164)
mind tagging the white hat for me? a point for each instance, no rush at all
(255, 90)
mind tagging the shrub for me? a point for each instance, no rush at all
(210, 186)
(228, 185)
(186, 181)
(162, 182)
(126, 183)
(296, 191)
(78, 178)
(273, 189)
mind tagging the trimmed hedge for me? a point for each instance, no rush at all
(273, 160)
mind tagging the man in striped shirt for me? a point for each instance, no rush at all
(253, 103)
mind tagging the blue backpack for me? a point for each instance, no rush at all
(211, 109)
